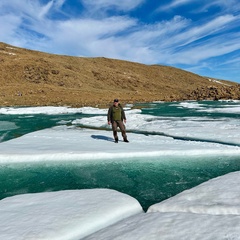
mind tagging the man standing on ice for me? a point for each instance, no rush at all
(116, 116)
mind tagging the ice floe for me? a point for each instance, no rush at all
(64, 143)
(221, 130)
(219, 196)
(50, 110)
(208, 211)
(70, 214)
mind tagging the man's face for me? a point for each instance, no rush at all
(115, 104)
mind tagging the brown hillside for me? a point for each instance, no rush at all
(34, 78)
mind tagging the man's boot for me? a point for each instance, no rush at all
(125, 140)
(116, 140)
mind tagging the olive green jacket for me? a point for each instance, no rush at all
(110, 113)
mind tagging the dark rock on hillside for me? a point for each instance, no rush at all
(216, 93)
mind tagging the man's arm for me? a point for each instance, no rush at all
(109, 118)
(123, 115)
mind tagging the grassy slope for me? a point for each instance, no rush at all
(36, 78)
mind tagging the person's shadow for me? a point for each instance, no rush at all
(101, 137)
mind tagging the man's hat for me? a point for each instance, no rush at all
(116, 100)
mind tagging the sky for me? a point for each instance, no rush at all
(198, 36)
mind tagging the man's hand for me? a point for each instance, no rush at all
(109, 123)
(125, 120)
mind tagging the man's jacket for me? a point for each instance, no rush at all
(110, 113)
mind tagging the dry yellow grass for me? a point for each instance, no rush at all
(31, 78)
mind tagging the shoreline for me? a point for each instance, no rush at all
(104, 104)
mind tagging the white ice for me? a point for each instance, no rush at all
(173, 226)
(64, 143)
(63, 215)
(107, 214)
(72, 143)
(219, 196)
(50, 110)
(208, 211)
(235, 109)
(223, 130)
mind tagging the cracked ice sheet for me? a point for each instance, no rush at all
(75, 214)
(69, 143)
(200, 128)
(208, 211)
(225, 130)
(172, 226)
(220, 195)
(235, 109)
(63, 215)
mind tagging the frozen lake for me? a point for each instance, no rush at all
(173, 147)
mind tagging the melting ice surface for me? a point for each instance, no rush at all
(173, 147)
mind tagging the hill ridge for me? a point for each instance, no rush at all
(34, 78)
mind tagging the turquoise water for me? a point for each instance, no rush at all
(18, 125)
(176, 110)
(149, 180)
